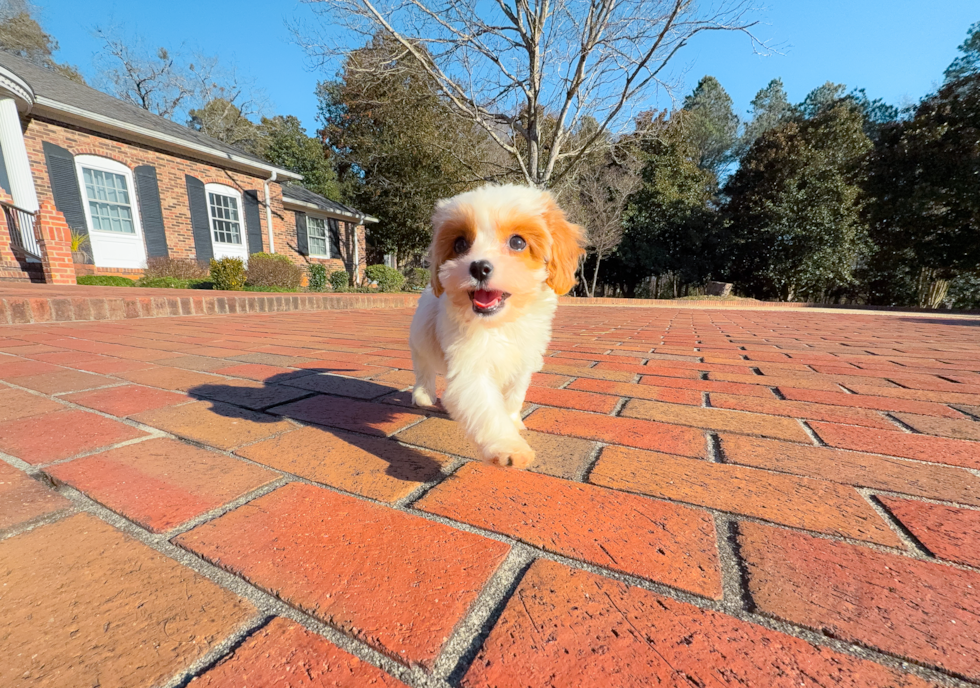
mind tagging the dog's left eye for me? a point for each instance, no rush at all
(517, 243)
(461, 246)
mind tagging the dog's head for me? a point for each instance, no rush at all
(495, 250)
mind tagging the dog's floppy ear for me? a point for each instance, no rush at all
(448, 223)
(566, 249)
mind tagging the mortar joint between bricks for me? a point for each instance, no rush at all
(811, 433)
(904, 427)
(915, 547)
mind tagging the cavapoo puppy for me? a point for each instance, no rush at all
(500, 257)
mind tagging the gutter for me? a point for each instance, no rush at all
(357, 258)
(357, 216)
(268, 212)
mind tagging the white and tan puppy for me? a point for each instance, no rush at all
(500, 257)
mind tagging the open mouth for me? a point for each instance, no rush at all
(487, 301)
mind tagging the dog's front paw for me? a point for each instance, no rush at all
(420, 397)
(516, 455)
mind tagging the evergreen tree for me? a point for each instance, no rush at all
(770, 107)
(969, 62)
(794, 206)
(821, 98)
(21, 34)
(669, 223)
(397, 147)
(924, 211)
(283, 142)
(712, 126)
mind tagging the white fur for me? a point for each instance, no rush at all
(487, 360)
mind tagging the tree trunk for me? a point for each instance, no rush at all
(595, 275)
(932, 290)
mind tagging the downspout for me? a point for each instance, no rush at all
(357, 258)
(268, 212)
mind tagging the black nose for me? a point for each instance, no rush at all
(480, 269)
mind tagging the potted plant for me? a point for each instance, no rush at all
(78, 253)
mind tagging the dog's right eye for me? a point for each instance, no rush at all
(461, 245)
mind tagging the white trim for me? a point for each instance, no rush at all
(134, 132)
(227, 249)
(106, 239)
(19, 88)
(291, 204)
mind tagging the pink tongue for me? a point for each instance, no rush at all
(484, 298)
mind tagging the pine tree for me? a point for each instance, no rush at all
(713, 126)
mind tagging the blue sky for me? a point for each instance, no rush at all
(896, 50)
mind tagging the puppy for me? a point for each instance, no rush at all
(500, 257)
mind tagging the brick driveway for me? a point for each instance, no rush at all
(721, 497)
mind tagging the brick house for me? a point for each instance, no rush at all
(141, 187)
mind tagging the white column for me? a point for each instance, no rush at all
(15, 157)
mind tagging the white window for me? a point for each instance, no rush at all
(111, 211)
(109, 201)
(319, 240)
(226, 222)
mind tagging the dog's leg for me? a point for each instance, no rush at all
(424, 392)
(476, 403)
(514, 398)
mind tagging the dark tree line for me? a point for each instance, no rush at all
(839, 198)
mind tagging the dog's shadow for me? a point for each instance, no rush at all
(315, 397)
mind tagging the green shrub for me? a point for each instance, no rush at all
(388, 279)
(316, 276)
(228, 274)
(173, 283)
(277, 290)
(417, 279)
(177, 268)
(339, 280)
(273, 270)
(105, 280)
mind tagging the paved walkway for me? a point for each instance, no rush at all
(721, 497)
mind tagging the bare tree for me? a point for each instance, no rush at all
(531, 72)
(152, 80)
(601, 194)
(196, 89)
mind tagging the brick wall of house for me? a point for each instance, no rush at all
(170, 168)
(346, 261)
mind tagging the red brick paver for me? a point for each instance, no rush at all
(665, 542)
(161, 483)
(53, 436)
(816, 469)
(572, 628)
(23, 499)
(283, 654)
(948, 532)
(921, 610)
(84, 605)
(396, 581)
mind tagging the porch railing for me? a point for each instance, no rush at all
(20, 224)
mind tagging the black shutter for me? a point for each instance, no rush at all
(302, 239)
(200, 222)
(64, 187)
(151, 214)
(4, 180)
(253, 225)
(334, 230)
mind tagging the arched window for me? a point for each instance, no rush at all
(115, 232)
